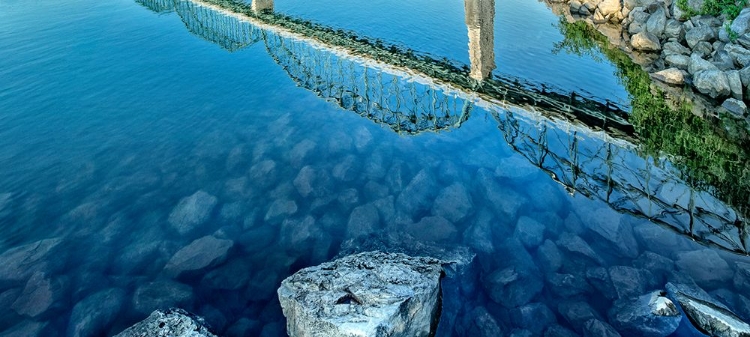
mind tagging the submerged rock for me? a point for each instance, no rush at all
(706, 315)
(172, 323)
(648, 315)
(201, 253)
(367, 294)
(92, 315)
(17, 264)
(192, 212)
(39, 295)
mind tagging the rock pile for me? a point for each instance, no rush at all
(709, 53)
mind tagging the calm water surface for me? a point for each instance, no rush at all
(132, 135)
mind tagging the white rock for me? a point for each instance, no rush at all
(369, 294)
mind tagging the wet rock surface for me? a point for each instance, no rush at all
(368, 294)
(171, 322)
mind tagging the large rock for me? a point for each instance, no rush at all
(671, 76)
(453, 203)
(609, 7)
(627, 281)
(645, 41)
(657, 22)
(697, 64)
(529, 231)
(735, 84)
(650, 315)
(713, 83)
(313, 182)
(192, 212)
(698, 34)
(366, 294)
(418, 194)
(741, 23)
(736, 107)
(707, 315)
(362, 221)
(705, 266)
(199, 254)
(17, 264)
(172, 323)
(678, 61)
(39, 295)
(739, 55)
(92, 315)
(161, 295)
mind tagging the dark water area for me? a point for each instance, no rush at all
(175, 153)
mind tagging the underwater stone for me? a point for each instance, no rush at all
(192, 212)
(650, 315)
(92, 315)
(199, 254)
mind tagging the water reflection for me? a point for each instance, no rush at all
(602, 165)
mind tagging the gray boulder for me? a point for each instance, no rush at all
(740, 55)
(672, 47)
(713, 83)
(657, 22)
(366, 294)
(736, 107)
(192, 212)
(171, 322)
(698, 34)
(705, 314)
(674, 30)
(697, 64)
(199, 254)
(672, 76)
(645, 41)
(678, 61)
(741, 23)
(650, 315)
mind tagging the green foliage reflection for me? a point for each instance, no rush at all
(710, 158)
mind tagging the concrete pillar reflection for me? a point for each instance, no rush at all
(262, 5)
(480, 19)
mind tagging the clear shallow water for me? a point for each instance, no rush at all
(111, 115)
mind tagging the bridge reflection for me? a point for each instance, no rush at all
(583, 144)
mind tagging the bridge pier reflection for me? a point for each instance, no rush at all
(262, 5)
(480, 20)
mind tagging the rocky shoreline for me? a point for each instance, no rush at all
(678, 51)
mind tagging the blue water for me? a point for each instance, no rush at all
(111, 114)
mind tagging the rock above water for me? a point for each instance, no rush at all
(671, 76)
(713, 83)
(367, 294)
(648, 315)
(645, 41)
(741, 24)
(192, 212)
(172, 323)
(707, 316)
(199, 254)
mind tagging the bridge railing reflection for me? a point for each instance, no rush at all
(598, 164)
